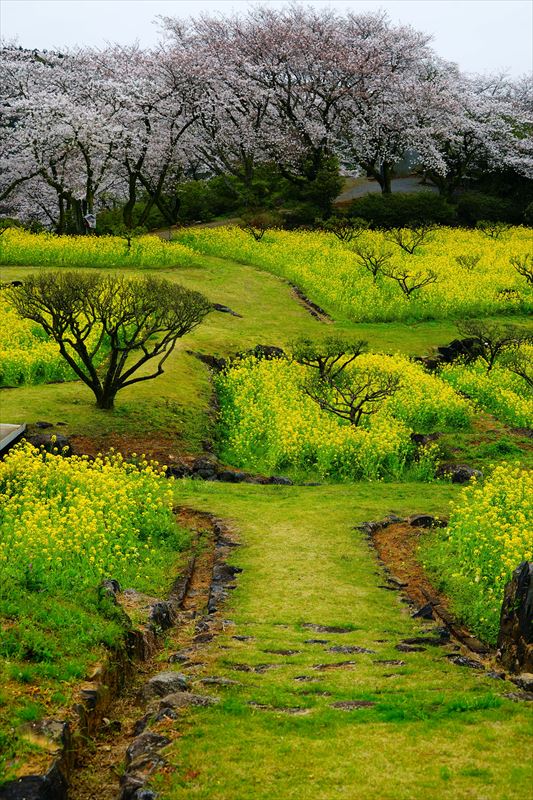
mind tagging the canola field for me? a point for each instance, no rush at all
(500, 392)
(73, 521)
(331, 274)
(488, 536)
(21, 248)
(27, 355)
(267, 421)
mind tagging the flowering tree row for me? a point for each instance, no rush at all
(223, 95)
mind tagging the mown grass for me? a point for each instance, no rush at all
(436, 728)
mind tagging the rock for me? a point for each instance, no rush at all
(178, 471)
(51, 786)
(349, 649)
(225, 310)
(44, 425)
(163, 684)
(214, 681)
(468, 348)
(145, 745)
(515, 637)
(316, 641)
(390, 662)
(425, 612)
(214, 363)
(526, 432)
(463, 661)
(426, 521)
(438, 641)
(162, 615)
(335, 665)
(520, 697)
(181, 657)
(523, 681)
(459, 473)
(326, 628)
(279, 480)
(352, 705)
(266, 351)
(422, 439)
(283, 652)
(240, 638)
(51, 442)
(185, 699)
(409, 648)
(109, 589)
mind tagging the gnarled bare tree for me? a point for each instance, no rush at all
(109, 327)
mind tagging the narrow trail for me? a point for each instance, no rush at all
(340, 692)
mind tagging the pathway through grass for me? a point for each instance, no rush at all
(430, 728)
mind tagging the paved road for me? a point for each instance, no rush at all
(366, 186)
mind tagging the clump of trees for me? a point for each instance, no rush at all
(289, 93)
(109, 328)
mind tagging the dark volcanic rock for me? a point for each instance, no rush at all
(459, 473)
(146, 744)
(463, 661)
(352, 705)
(185, 699)
(409, 648)
(349, 649)
(426, 521)
(50, 442)
(515, 638)
(164, 683)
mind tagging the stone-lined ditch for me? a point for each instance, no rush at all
(395, 540)
(106, 748)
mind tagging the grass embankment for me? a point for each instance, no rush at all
(435, 728)
(67, 524)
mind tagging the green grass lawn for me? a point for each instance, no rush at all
(436, 729)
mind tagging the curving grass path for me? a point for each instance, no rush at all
(433, 729)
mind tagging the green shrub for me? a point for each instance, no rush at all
(475, 206)
(402, 209)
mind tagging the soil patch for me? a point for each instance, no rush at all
(397, 547)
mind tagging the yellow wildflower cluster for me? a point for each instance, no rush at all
(27, 355)
(500, 392)
(70, 521)
(330, 272)
(268, 422)
(490, 533)
(21, 248)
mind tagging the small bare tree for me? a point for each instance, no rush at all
(372, 257)
(494, 230)
(468, 262)
(493, 339)
(349, 393)
(108, 327)
(410, 281)
(346, 228)
(410, 239)
(330, 356)
(129, 234)
(524, 266)
(521, 363)
(258, 224)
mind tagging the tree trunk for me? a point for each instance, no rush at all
(106, 401)
(386, 178)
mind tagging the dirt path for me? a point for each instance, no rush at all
(339, 693)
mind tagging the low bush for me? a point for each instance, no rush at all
(400, 210)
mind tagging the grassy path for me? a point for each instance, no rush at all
(435, 729)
